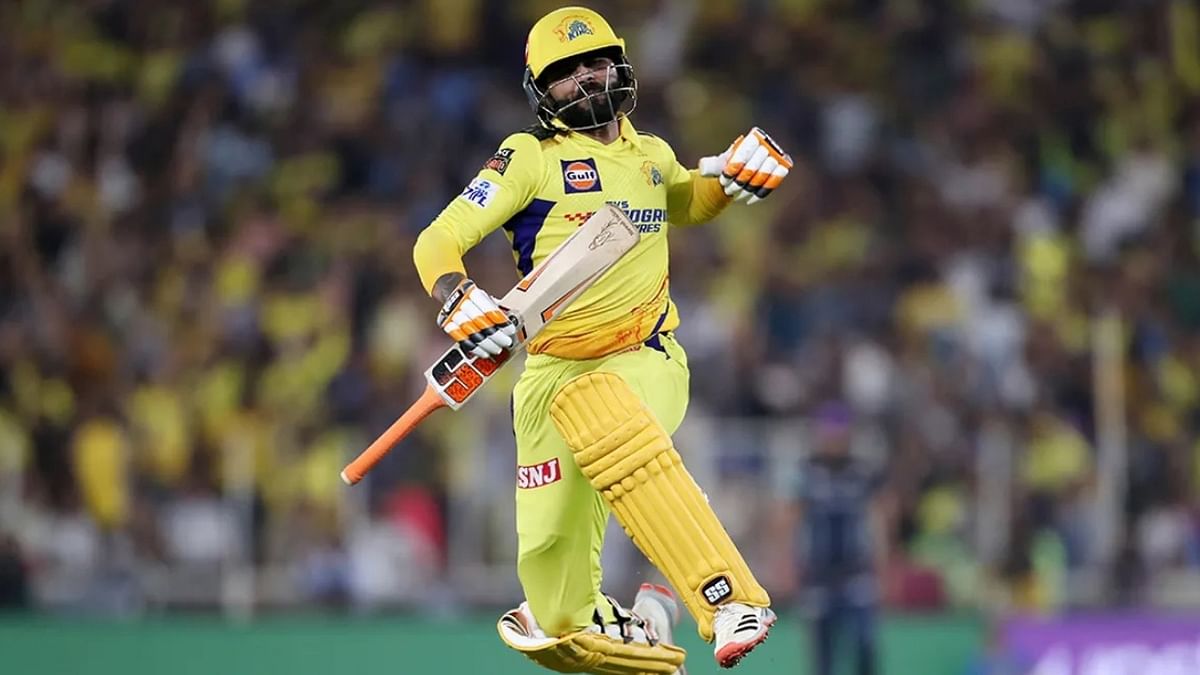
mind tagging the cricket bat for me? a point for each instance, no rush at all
(534, 302)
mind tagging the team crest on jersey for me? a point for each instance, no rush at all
(499, 161)
(580, 175)
(573, 27)
(652, 174)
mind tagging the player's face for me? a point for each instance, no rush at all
(834, 443)
(589, 73)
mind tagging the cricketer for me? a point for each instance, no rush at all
(606, 384)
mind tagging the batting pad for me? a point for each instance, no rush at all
(588, 652)
(629, 458)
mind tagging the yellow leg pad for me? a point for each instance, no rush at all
(589, 652)
(626, 455)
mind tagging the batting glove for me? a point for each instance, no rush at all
(752, 167)
(475, 321)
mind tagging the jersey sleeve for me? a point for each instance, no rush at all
(691, 198)
(505, 185)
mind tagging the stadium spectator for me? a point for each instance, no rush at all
(207, 300)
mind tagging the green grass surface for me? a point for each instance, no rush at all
(399, 646)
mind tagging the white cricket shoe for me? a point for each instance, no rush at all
(657, 606)
(738, 629)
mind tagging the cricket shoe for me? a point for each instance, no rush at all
(738, 629)
(656, 605)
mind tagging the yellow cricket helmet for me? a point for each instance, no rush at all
(567, 33)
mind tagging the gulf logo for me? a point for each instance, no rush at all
(580, 175)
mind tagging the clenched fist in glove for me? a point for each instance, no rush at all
(752, 167)
(475, 321)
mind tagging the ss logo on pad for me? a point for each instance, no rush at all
(717, 590)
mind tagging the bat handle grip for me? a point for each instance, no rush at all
(429, 401)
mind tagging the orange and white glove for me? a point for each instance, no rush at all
(475, 321)
(752, 167)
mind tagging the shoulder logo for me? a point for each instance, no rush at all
(580, 175)
(499, 161)
(480, 192)
(651, 173)
(573, 27)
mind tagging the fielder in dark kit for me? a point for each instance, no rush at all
(839, 516)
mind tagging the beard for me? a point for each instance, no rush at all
(592, 109)
(595, 104)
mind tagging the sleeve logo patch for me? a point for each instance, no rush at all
(480, 192)
(580, 175)
(499, 161)
(537, 475)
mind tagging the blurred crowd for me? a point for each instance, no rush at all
(207, 299)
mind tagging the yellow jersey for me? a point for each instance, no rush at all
(541, 185)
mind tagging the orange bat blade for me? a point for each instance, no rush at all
(419, 410)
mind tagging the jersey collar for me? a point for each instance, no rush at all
(627, 133)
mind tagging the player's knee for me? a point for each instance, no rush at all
(555, 612)
(558, 608)
(610, 431)
(554, 619)
(588, 404)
